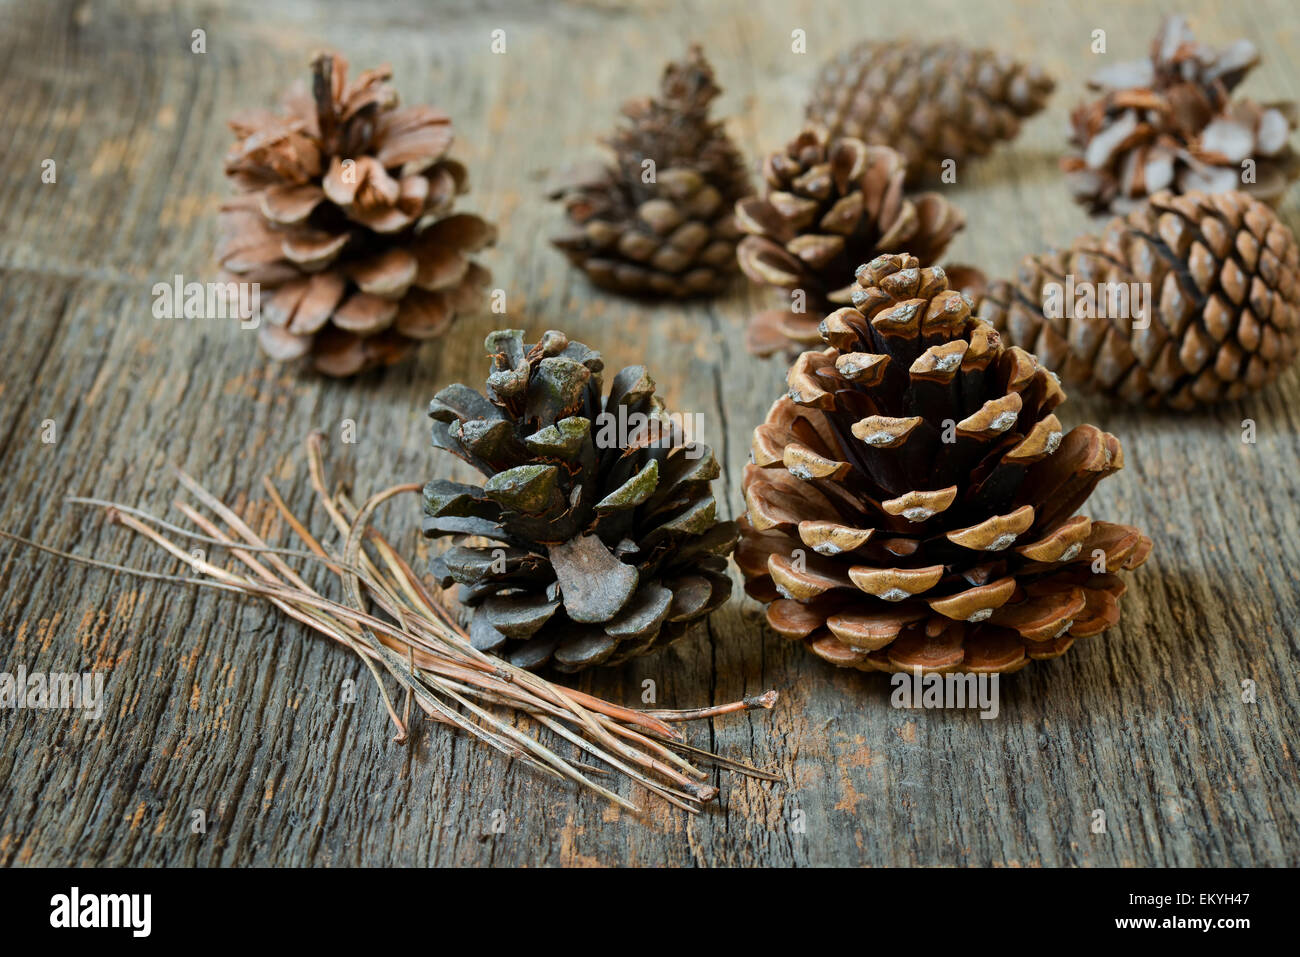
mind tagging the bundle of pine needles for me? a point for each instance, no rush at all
(396, 625)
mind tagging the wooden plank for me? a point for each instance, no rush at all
(218, 705)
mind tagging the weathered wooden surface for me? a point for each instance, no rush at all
(218, 704)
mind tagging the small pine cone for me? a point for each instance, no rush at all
(930, 101)
(344, 212)
(911, 502)
(597, 538)
(1168, 122)
(673, 236)
(1223, 302)
(830, 205)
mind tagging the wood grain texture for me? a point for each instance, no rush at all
(221, 705)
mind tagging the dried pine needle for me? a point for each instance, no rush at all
(405, 635)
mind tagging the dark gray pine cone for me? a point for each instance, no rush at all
(595, 537)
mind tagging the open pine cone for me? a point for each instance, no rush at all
(911, 502)
(1224, 302)
(929, 101)
(1168, 122)
(673, 235)
(598, 534)
(830, 205)
(345, 213)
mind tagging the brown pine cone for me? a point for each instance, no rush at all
(344, 213)
(830, 205)
(666, 230)
(1224, 302)
(911, 502)
(1168, 122)
(929, 101)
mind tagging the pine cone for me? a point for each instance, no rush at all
(674, 235)
(1167, 122)
(830, 205)
(929, 101)
(344, 212)
(911, 500)
(1223, 301)
(602, 539)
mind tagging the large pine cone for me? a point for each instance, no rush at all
(602, 538)
(1168, 122)
(344, 212)
(911, 502)
(930, 101)
(830, 205)
(1224, 302)
(673, 235)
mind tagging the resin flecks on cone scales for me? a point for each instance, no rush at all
(912, 501)
(345, 215)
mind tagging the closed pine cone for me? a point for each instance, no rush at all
(1224, 321)
(669, 231)
(884, 547)
(591, 543)
(345, 215)
(1168, 122)
(929, 101)
(831, 204)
